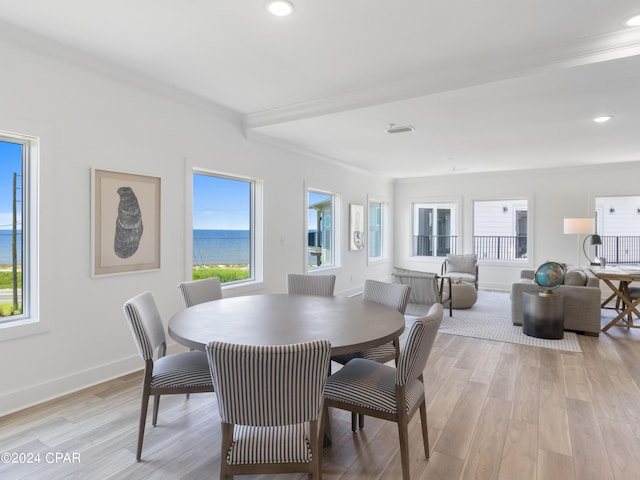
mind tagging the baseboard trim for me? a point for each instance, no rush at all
(20, 399)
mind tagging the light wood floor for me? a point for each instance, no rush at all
(496, 411)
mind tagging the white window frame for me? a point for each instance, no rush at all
(256, 228)
(455, 212)
(335, 230)
(507, 200)
(384, 230)
(29, 322)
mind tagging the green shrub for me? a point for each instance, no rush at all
(6, 310)
(226, 274)
(6, 279)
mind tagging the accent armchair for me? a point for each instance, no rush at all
(427, 288)
(461, 267)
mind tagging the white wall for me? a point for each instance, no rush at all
(553, 195)
(89, 119)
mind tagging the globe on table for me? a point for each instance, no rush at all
(549, 275)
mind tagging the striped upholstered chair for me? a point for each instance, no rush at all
(186, 372)
(270, 405)
(394, 394)
(199, 291)
(322, 285)
(393, 295)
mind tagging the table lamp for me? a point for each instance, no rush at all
(579, 226)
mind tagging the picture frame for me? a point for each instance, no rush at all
(356, 227)
(125, 222)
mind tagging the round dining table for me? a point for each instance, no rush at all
(349, 323)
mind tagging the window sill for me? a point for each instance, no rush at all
(242, 288)
(12, 330)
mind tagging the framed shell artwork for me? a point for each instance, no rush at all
(125, 222)
(356, 227)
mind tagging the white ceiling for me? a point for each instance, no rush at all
(489, 85)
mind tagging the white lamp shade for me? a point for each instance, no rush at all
(579, 226)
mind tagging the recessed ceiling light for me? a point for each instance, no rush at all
(602, 119)
(633, 21)
(280, 8)
(393, 128)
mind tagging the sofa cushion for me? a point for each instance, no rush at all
(575, 277)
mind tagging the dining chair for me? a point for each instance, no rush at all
(185, 372)
(270, 401)
(392, 295)
(395, 394)
(195, 292)
(322, 285)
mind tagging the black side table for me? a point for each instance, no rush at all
(543, 316)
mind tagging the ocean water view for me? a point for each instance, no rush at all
(209, 247)
(221, 247)
(5, 246)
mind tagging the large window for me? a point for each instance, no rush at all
(15, 257)
(500, 229)
(618, 224)
(223, 227)
(377, 224)
(321, 229)
(434, 230)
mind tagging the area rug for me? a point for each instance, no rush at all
(490, 318)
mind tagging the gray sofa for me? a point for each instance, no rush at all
(582, 297)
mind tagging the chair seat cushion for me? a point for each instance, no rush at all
(372, 385)
(180, 370)
(254, 445)
(381, 354)
(461, 276)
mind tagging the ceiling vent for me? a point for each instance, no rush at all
(393, 128)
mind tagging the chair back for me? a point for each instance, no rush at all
(200, 291)
(425, 288)
(464, 263)
(270, 385)
(145, 323)
(394, 295)
(417, 348)
(321, 285)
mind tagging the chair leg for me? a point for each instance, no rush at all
(143, 420)
(425, 431)
(361, 421)
(353, 421)
(404, 447)
(316, 451)
(225, 444)
(156, 407)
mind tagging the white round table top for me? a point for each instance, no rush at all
(350, 324)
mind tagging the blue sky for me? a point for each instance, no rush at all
(10, 161)
(220, 203)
